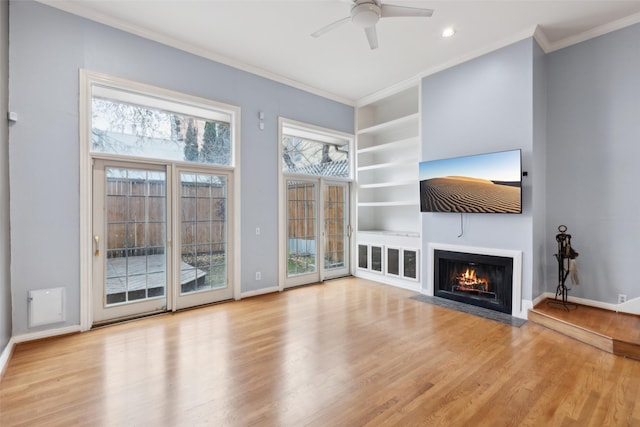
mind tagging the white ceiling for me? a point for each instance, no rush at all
(272, 38)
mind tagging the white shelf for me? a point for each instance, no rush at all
(411, 119)
(398, 203)
(398, 233)
(390, 184)
(404, 163)
(390, 145)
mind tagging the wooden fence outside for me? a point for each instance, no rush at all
(302, 218)
(136, 217)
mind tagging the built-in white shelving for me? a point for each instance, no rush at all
(388, 153)
(396, 164)
(388, 198)
(395, 145)
(395, 203)
(401, 122)
(388, 184)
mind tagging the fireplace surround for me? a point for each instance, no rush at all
(471, 275)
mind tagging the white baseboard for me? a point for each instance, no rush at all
(46, 333)
(541, 298)
(259, 292)
(6, 354)
(398, 282)
(632, 306)
(583, 301)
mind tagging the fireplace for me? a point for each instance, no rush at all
(473, 278)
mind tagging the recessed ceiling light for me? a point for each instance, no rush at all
(448, 32)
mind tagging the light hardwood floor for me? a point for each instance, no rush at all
(346, 353)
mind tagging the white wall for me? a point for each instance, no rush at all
(481, 106)
(5, 283)
(593, 131)
(47, 49)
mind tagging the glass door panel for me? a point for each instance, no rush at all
(203, 239)
(336, 229)
(302, 244)
(130, 235)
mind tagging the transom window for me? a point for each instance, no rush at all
(133, 124)
(313, 153)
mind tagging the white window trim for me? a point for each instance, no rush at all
(87, 79)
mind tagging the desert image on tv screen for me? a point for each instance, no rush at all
(483, 183)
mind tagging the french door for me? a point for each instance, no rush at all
(317, 230)
(160, 236)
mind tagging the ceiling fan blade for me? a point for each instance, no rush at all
(372, 36)
(390, 11)
(330, 27)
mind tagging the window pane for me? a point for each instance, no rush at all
(310, 157)
(141, 131)
(301, 229)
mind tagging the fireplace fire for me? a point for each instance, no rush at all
(468, 281)
(477, 279)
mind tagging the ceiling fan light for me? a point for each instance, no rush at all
(365, 15)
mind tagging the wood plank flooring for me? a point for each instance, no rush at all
(345, 353)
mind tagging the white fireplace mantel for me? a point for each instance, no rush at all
(517, 309)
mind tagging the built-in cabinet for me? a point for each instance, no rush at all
(400, 263)
(388, 202)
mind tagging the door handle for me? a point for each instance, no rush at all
(96, 239)
(349, 231)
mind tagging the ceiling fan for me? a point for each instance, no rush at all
(366, 13)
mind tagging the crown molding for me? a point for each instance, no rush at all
(78, 9)
(594, 32)
(542, 39)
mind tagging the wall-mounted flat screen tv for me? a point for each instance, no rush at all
(484, 183)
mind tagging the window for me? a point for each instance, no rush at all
(133, 124)
(314, 153)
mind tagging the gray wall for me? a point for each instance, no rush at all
(575, 115)
(47, 49)
(593, 149)
(538, 174)
(5, 283)
(483, 105)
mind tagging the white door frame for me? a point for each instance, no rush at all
(316, 276)
(180, 301)
(320, 275)
(137, 307)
